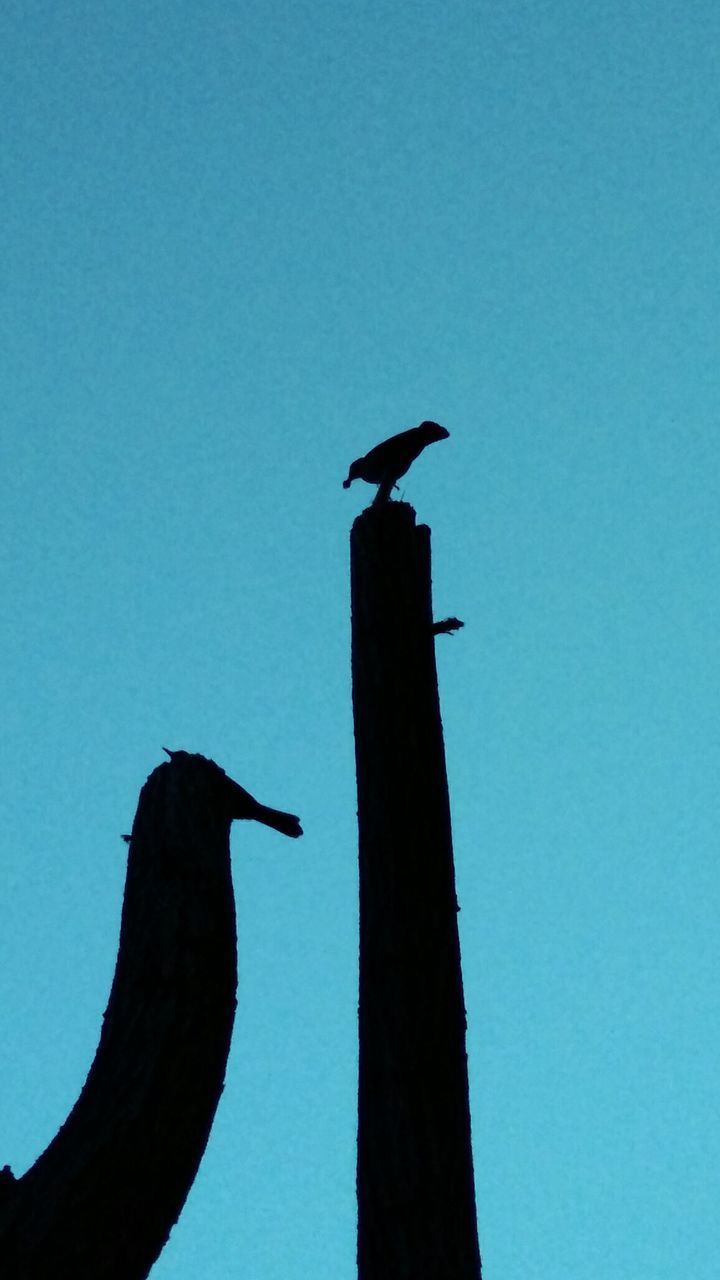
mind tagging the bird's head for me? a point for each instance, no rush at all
(433, 431)
(353, 473)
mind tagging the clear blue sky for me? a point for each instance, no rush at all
(240, 245)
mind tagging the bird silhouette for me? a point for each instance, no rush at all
(384, 464)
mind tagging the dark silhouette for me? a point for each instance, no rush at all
(447, 626)
(415, 1182)
(99, 1203)
(246, 806)
(384, 464)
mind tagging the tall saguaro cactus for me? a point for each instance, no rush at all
(415, 1182)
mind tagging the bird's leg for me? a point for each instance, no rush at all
(385, 488)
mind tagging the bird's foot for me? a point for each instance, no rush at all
(382, 496)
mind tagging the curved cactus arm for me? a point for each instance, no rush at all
(100, 1202)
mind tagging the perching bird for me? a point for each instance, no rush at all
(384, 464)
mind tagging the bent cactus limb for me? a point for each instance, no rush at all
(100, 1202)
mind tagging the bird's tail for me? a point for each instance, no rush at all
(287, 823)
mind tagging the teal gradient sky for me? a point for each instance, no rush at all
(239, 245)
